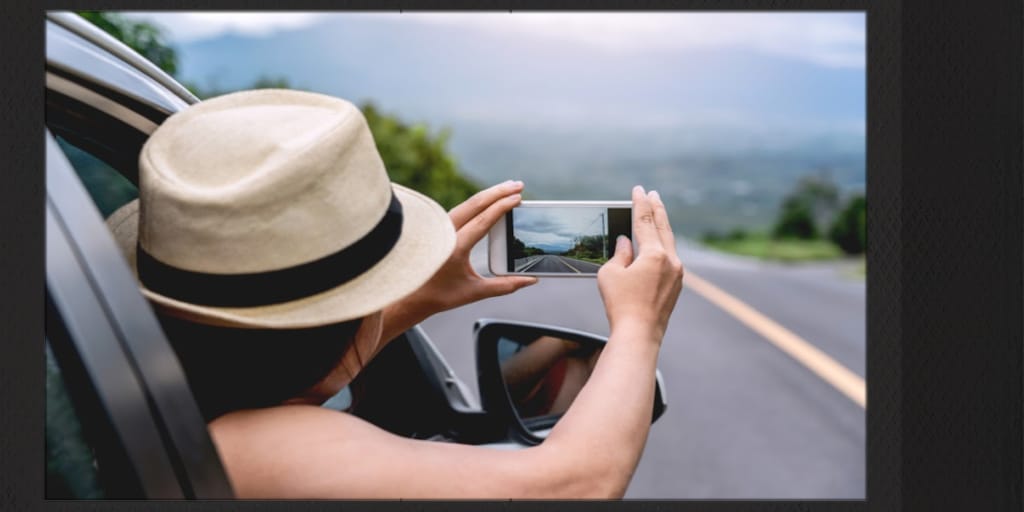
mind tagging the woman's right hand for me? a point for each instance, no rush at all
(640, 291)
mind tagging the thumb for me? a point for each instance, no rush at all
(505, 285)
(623, 252)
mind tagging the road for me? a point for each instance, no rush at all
(560, 264)
(748, 417)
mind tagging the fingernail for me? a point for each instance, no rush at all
(654, 194)
(507, 183)
(641, 189)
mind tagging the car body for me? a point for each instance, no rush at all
(121, 419)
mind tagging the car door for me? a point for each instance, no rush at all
(126, 388)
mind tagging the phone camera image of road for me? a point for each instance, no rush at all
(565, 240)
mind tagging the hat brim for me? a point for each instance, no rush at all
(426, 242)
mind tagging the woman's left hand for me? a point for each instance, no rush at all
(456, 283)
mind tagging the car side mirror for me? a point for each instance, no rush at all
(529, 374)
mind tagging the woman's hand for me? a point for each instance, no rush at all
(640, 293)
(456, 283)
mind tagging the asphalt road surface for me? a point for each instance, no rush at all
(750, 415)
(561, 264)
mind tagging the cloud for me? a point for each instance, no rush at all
(189, 26)
(827, 39)
(539, 239)
(556, 226)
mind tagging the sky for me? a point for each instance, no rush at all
(773, 73)
(827, 39)
(556, 227)
(722, 110)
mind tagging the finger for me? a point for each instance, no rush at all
(496, 286)
(474, 230)
(480, 201)
(623, 252)
(643, 221)
(668, 239)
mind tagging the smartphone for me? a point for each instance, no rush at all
(558, 238)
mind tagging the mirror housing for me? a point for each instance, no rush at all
(495, 395)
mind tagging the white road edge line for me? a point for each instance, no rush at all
(530, 265)
(562, 259)
(828, 369)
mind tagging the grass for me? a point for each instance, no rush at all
(760, 245)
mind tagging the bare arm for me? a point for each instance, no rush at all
(296, 451)
(639, 296)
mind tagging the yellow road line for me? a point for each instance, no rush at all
(840, 377)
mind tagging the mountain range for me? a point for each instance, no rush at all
(721, 133)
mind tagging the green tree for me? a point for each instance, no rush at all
(796, 220)
(820, 194)
(811, 202)
(849, 229)
(145, 38)
(589, 246)
(710, 236)
(418, 159)
(737, 234)
(518, 249)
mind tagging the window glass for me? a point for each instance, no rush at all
(341, 401)
(107, 187)
(72, 471)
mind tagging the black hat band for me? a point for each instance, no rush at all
(263, 288)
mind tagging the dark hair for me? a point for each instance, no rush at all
(229, 368)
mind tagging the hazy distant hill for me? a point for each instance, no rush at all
(721, 134)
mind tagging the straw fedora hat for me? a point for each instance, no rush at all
(272, 209)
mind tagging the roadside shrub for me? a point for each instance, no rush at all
(849, 229)
(419, 158)
(737, 234)
(710, 237)
(796, 220)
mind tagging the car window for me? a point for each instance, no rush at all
(108, 189)
(72, 471)
(103, 149)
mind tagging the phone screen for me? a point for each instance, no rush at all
(564, 239)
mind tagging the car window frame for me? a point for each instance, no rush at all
(132, 457)
(92, 297)
(98, 319)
